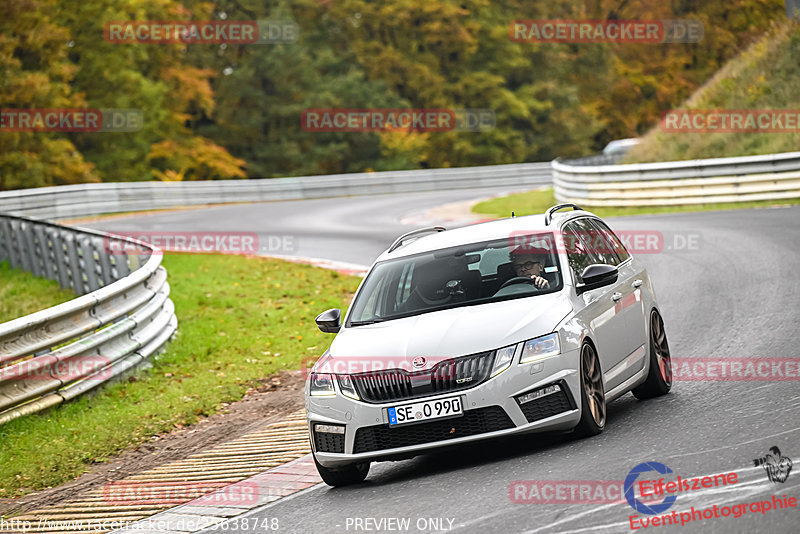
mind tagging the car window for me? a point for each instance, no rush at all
(579, 256)
(476, 273)
(613, 241)
(596, 241)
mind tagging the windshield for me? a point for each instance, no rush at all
(478, 273)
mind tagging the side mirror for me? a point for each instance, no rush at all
(597, 275)
(329, 321)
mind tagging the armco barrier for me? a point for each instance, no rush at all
(122, 315)
(592, 183)
(91, 199)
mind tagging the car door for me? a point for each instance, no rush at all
(627, 295)
(598, 306)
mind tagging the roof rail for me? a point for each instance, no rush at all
(548, 215)
(399, 241)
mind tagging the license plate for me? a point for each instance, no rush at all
(423, 411)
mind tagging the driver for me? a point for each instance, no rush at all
(530, 265)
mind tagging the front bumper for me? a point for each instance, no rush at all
(490, 410)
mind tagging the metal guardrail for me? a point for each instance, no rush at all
(770, 177)
(122, 315)
(91, 199)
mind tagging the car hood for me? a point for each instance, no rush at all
(454, 332)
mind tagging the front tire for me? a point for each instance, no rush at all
(342, 476)
(593, 396)
(659, 378)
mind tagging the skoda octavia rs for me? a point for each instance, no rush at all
(526, 324)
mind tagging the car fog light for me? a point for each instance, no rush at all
(539, 393)
(329, 429)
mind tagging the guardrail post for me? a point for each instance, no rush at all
(4, 241)
(26, 247)
(44, 250)
(119, 265)
(36, 250)
(104, 259)
(74, 263)
(87, 253)
(59, 258)
(14, 253)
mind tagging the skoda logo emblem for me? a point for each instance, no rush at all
(418, 362)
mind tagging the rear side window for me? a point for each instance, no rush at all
(613, 241)
(596, 240)
(579, 256)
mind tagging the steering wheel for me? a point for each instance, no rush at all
(517, 280)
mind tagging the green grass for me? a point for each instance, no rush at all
(765, 76)
(240, 320)
(22, 293)
(539, 200)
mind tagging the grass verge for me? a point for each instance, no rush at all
(540, 200)
(765, 76)
(240, 320)
(22, 293)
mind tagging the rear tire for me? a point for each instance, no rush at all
(593, 397)
(343, 476)
(659, 378)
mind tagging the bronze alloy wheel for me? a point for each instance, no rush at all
(593, 385)
(661, 348)
(659, 378)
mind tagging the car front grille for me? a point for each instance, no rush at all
(548, 406)
(327, 442)
(449, 375)
(473, 422)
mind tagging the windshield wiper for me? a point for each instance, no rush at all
(371, 321)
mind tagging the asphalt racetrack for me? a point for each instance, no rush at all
(728, 287)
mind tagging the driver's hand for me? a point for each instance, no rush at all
(540, 282)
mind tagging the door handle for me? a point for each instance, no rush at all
(616, 296)
(637, 283)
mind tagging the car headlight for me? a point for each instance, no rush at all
(503, 359)
(540, 348)
(347, 386)
(322, 384)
